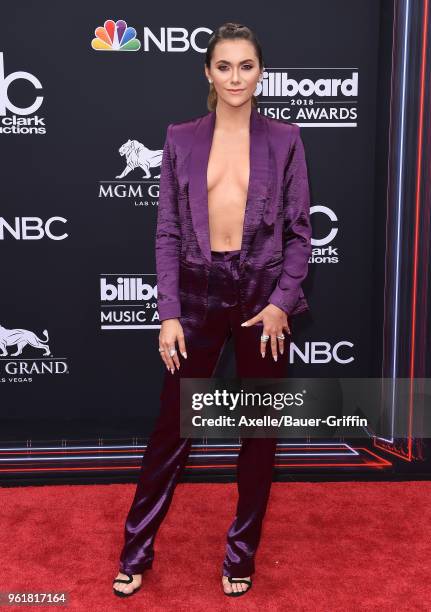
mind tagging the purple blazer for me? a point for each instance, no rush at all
(276, 241)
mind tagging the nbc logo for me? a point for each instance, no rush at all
(115, 36)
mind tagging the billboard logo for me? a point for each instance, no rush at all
(311, 96)
(115, 36)
(128, 302)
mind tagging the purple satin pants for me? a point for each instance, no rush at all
(167, 453)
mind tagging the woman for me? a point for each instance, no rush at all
(232, 247)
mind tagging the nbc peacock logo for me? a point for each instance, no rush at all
(115, 36)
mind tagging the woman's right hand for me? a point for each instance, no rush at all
(171, 330)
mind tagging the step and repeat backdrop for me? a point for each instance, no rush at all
(86, 93)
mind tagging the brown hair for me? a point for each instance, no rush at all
(229, 31)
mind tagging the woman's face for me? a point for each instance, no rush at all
(234, 71)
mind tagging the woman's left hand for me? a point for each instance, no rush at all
(274, 322)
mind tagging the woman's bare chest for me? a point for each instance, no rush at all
(228, 168)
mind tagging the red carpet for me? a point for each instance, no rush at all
(325, 547)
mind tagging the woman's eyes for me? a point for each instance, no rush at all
(248, 66)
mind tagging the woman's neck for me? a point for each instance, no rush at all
(233, 118)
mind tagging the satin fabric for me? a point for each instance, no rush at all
(276, 241)
(167, 453)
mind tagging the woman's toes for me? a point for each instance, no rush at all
(240, 586)
(234, 587)
(137, 579)
(127, 588)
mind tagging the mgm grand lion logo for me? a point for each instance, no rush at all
(139, 156)
(20, 338)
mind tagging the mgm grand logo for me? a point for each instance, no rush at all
(14, 368)
(142, 169)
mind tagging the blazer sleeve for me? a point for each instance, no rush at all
(297, 228)
(168, 237)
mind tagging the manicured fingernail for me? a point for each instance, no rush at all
(244, 324)
(184, 355)
(172, 370)
(263, 354)
(275, 358)
(281, 351)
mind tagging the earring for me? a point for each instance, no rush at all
(209, 81)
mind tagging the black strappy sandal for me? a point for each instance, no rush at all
(121, 593)
(238, 593)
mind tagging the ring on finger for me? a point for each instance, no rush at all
(172, 352)
(264, 338)
(281, 337)
(161, 350)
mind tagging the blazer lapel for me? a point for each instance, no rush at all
(258, 181)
